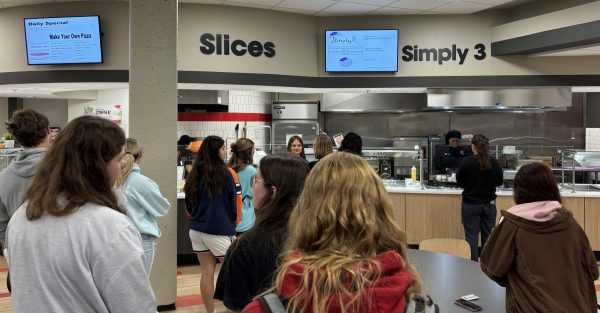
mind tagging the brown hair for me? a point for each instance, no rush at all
(29, 127)
(287, 173)
(323, 145)
(291, 141)
(75, 167)
(535, 182)
(132, 153)
(483, 152)
(342, 219)
(208, 169)
(241, 154)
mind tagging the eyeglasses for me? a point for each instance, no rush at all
(254, 180)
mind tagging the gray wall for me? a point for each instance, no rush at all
(56, 110)
(592, 110)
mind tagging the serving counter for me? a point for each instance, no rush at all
(435, 213)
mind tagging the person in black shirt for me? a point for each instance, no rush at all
(479, 175)
(447, 158)
(251, 260)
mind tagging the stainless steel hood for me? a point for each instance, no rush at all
(503, 100)
(515, 99)
(374, 102)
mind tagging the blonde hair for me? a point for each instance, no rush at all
(323, 145)
(132, 153)
(342, 219)
(241, 154)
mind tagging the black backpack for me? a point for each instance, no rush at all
(271, 303)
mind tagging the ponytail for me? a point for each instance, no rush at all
(132, 153)
(483, 152)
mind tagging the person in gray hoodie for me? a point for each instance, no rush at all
(31, 130)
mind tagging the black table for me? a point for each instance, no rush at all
(447, 278)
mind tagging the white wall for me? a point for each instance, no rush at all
(105, 97)
(54, 109)
(592, 139)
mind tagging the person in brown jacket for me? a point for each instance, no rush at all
(539, 252)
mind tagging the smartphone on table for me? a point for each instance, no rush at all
(468, 305)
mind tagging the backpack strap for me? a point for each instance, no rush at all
(271, 303)
(238, 195)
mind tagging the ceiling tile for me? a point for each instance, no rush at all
(394, 11)
(299, 11)
(460, 8)
(490, 2)
(422, 5)
(346, 8)
(202, 1)
(309, 5)
(268, 3)
(370, 2)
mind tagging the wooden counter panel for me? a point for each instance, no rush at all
(399, 209)
(592, 222)
(433, 216)
(577, 206)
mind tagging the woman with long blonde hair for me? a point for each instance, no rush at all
(344, 251)
(323, 145)
(141, 198)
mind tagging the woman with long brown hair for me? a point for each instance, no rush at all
(344, 252)
(210, 197)
(71, 247)
(539, 252)
(252, 259)
(479, 174)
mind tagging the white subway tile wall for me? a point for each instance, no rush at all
(592, 139)
(239, 102)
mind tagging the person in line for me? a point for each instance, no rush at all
(71, 246)
(31, 129)
(183, 153)
(251, 260)
(447, 158)
(344, 253)
(479, 175)
(539, 252)
(323, 145)
(142, 199)
(210, 197)
(296, 147)
(242, 154)
(352, 143)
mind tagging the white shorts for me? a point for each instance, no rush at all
(215, 244)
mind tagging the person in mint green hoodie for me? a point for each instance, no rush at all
(142, 199)
(242, 153)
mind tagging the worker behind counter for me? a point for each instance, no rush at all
(447, 157)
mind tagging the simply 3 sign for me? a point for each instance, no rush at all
(412, 53)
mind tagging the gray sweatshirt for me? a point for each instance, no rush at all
(88, 261)
(14, 181)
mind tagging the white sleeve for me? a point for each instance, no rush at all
(120, 276)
